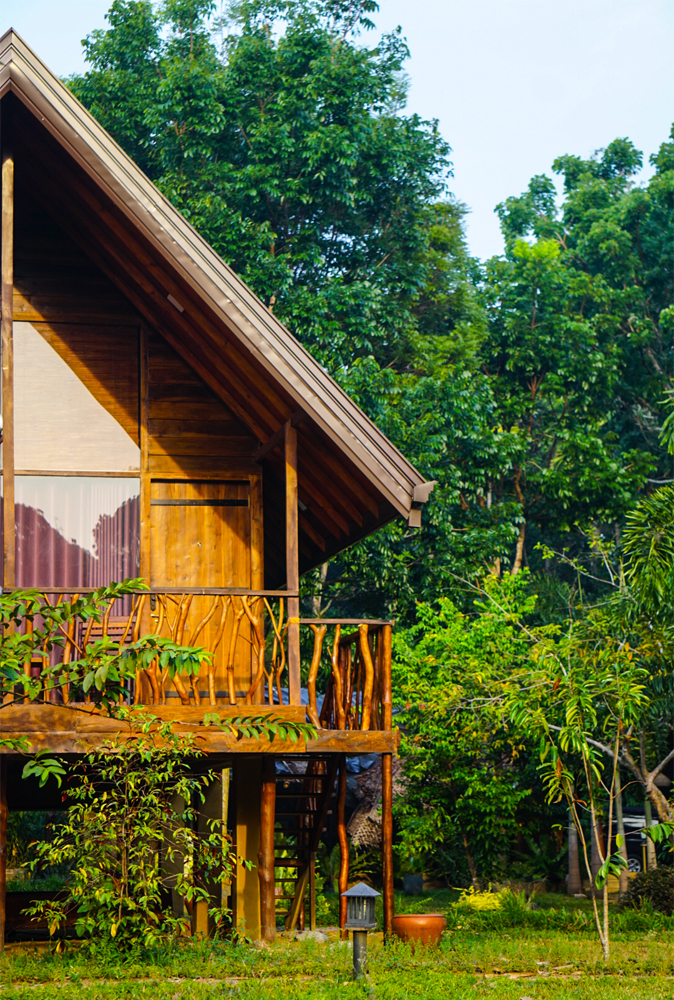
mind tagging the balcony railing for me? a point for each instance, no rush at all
(346, 663)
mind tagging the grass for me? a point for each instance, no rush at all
(549, 952)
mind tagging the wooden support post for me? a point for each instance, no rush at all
(145, 508)
(312, 892)
(7, 337)
(265, 857)
(343, 847)
(142, 690)
(387, 787)
(3, 849)
(292, 564)
(387, 840)
(248, 793)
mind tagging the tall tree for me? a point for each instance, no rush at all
(285, 143)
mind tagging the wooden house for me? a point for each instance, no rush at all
(159, 421)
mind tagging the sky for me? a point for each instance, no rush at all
(513, 83)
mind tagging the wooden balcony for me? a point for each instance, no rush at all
(344, 674)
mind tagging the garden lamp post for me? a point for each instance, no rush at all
(360, 919)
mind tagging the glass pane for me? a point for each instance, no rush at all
(75, 398)
(74, 531)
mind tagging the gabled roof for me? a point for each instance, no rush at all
(231, 338)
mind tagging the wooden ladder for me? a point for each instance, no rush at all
(302, 803)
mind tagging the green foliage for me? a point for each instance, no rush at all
(452, 673)
(655, 886)
(131, 838)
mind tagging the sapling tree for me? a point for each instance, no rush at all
(583, 685)
(130, 840)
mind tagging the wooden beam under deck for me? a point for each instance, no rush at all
(72, 730)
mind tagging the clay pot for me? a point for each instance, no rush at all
(424, 928)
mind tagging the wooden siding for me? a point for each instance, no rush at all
(54, 279)
(190, 430)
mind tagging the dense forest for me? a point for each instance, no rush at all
(535, 388)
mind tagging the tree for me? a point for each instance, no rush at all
(530, 389)
(580, 332)
(582, 685)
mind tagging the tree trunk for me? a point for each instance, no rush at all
(519, 549)
(621, 833)
(595, 857)
(651, 857)
(470, 859)
(574, 884)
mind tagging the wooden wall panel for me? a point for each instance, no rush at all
(190, 431)
(54, 280)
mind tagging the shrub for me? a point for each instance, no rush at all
(130, 837)
(655, 886)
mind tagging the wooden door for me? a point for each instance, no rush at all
(200, 536)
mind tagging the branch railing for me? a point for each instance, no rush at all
(245, 634)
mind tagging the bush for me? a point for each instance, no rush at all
(656, 886)
(130, 839)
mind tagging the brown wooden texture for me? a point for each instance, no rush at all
(189, 427)
(70, 729)
(292, 562)
(387, 841)
(54, 279)
(207, 545)
(312, 893)
(6, 338)
(387, 697)
(247, 796)
(319, 634)
(265, 857)
(343, 880)
(3, 849)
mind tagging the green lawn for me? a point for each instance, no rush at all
(480, 956)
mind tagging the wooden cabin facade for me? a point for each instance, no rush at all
(159, 422)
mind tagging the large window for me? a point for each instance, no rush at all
(74, 531)
(77, 455)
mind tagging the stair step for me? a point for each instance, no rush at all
(299, 795)
(296, 812)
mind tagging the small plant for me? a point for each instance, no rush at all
(482, 901)
(130, 841)
(655, 887)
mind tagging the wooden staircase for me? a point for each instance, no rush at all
(302, 807)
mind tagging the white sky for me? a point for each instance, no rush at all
(514, 83)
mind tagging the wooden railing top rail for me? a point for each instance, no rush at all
(374, 622)
(188, 591)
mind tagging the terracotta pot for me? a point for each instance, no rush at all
(425, 928)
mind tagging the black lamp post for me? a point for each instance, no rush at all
(360, 919)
